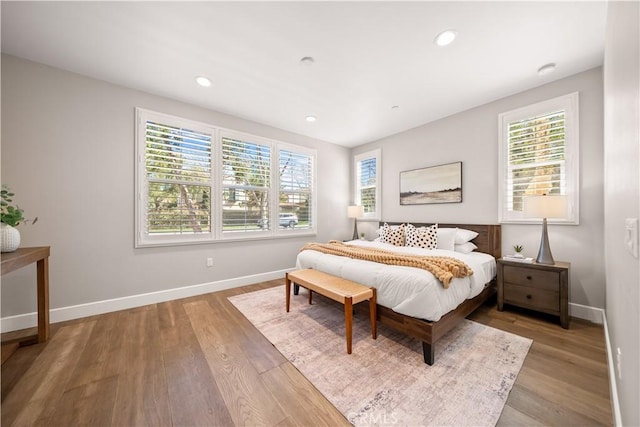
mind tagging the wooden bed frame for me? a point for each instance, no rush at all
(488, 241)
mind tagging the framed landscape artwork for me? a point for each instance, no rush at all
(435, 184)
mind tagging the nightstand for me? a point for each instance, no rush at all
(538, 287)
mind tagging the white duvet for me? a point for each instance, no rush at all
(407, 290)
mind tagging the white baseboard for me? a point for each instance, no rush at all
(586, 312)
(28, 320)
(598, 315)
(613, 388)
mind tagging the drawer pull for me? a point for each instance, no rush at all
(528, 277)
(529, 296)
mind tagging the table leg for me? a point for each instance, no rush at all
(348, 321)
(43, 299)
(310, 295)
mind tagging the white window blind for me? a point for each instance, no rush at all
(296, 196)
(246, 178)
(197, 183)
(367, 188)
(539, 155)
(177, 167)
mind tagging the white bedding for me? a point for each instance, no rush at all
(407, 290)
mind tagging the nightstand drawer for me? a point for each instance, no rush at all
(532, 277)
(526, 296)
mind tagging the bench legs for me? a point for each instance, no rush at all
(372, 314)
(348, 321)
(348, 318)
(287, 288)
(348, 311)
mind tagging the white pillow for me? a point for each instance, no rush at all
(464, 236)
(423, 237)
(465, 248)
(446, 238)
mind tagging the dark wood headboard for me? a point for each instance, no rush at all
(489, 238)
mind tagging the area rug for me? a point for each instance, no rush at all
(385, 381)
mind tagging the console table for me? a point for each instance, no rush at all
(12, 261)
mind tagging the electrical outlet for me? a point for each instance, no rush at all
(631, 236)
(209, 262)
(619, 362)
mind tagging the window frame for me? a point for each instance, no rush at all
(371, 154)
(217, 234)
(142, 238)
(244, 137)
(283, 146)
(571, 186)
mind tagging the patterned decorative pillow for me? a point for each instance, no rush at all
(393, 235)
(423, 237)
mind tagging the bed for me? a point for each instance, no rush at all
(408, 313)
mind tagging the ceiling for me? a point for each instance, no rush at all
(368, 56)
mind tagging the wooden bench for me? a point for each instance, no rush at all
(341, 290)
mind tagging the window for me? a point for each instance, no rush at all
(246, 178)
(539, 155)
(296, 189)
(367, 188)
(174, 180)
(199, 183)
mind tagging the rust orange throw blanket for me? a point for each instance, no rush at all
(443, 267)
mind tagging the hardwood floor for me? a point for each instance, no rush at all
(564, 379)
(198, 361)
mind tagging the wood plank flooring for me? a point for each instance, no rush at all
(199, 362)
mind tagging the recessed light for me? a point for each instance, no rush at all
(203, 81)
(445, 38)
(311, 118)
(307, 60)
(547, 69)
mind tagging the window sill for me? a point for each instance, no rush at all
(538, 222)
(227, 240)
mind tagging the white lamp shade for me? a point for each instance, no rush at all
(355, 211)
(552, 206)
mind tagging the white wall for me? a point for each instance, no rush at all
(472, 137)
(622, 197)
(68, 153)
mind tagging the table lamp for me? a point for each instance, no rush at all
(355, 212)
(552, 206)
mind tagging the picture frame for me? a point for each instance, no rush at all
(433, 184)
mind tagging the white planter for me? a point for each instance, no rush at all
(10, 238)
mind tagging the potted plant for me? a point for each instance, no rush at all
(10, 217)
(362, 236)
(518, 249)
